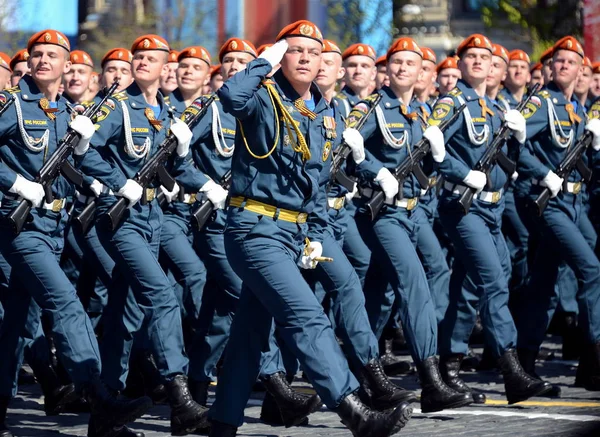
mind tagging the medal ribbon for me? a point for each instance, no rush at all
(149, 113)
(45, 105)
(484, 109)
(573, 117)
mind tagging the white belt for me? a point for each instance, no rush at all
(55, 205)
(572, 187)
(408, 204)
(484, 196)
(336, 203)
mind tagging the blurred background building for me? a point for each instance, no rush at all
(98, 25)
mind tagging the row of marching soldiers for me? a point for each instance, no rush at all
(332, 218)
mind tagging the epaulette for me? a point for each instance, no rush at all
(87, 103)
(207, 96)
(342, 96)
(544, 94)
(167, 100)
(371, 98)
(455, 92)
(14, 89)
(120, 96)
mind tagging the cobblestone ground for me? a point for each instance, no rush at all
(576, 413)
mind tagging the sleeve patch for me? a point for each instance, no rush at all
(362, 107)
(354, 117)
(440, 111)
(102, 113)
(536, 101)
(529, 110)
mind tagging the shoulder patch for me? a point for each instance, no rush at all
(536, 101)
(455, 92)
(101, 114)
(372, 97)
(121, 95)
(446, 100)
(594, 111)
(439, 112)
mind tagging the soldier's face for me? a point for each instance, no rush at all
(518, 74)
(566, 66)
(216, 82)
(584, 81)
(301, 62)
(475, 64)
(77, 80)
(536, 77)
(234, 62)
(428, 77)
(595, 88)
(48, 62)
(447, 79)
(547, 70)
(381, 77)
(4, 78)
(117, 70)
(497, 72)
(148, 66)
(192, 74)
(19, 70)
(404, 69)
(331, 70)
(168, 79)
(360, 71)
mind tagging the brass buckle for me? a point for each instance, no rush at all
(57, 205)
(576, 187)
(150, 194)
(496, 196)
(338, 203)
(301, 218)
(411, 203)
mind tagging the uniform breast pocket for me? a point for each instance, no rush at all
(479, 133)
(138, 143)
(36, 136)
(398, 137)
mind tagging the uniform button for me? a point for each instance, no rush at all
(25, 96)
(387, 104)
(133, 105)
(555, 100)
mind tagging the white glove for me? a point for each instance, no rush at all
(388, 183)
(215, 193)
(514, 176)
(274, 54)
(349, 196)
(84, 127)
(170, 195)
(96, 187)
(131, 191)
(184, 137)
(355, 141)
(476, 179)
(31, 191)
(436, 139)
(553, 182)
(594, 127)
(516, 123)
(313, 250)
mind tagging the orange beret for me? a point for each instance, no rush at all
(81, 57)
(5, 61)
(150, 42)
(518, 55)
(331, 47)
(117, 54)
(359, 49)
(215, 69)
(21, 56)
(547, 54)
(449, 62)
(303, 28)
(382, 60)
(49, 36)
(500, 51)
(262, 48)
(197, 52)
(596, 67)
(536, 66)
(429, 55)
(587, 62)
(173, 55)
(568, 43)
(477, 41)
(404, 44)
(237, 45)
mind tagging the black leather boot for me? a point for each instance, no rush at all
(293, 406)
(527, 359)
(364, 422)
(219, 429)
(152, 378)
(449, 369)
(392, 364)
(4, 431)
(96, 430)
(398, 340)
(588, 371)
(518, 384)
(270, 413)
(436, 395)
(56, 394)
(378, 392)
(572, 338)
(199, 391)
(186, 415)
(108, 413)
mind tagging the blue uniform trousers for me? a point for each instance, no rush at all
(482, 256)
(392, 238)
(134, 246)
(517, 240)
(357, 252)
(560, 239)
(264, 254)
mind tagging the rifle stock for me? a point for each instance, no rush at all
(203, 213)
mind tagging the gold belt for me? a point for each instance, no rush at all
(268, 210)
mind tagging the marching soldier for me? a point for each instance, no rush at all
(595, 86)
(497, 73)
(216, 78)
(19, 67)
(168, 79)
(35, 122)
(546, 61)
(448, 75)
(381, 78)
(536, 74)
(473, 233)
(584, 82)
(5, 71)
(77, 79)
(359, 65)
(116, 66)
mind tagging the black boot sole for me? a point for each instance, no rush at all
(457, 404)
(540, 392)
(288, 422)
(197, 425)
(404, 418)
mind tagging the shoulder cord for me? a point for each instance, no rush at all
(217, 133)
(391, 140)
(477, 138)
(346, 106)
(130, 148)
(31, 143)
(562, 140)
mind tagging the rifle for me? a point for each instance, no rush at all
(201, 214)
(340, 156)
(573, 160)
(58, 163)
(411, 165)
(494, 155)
(9, 101)
(155, 167)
